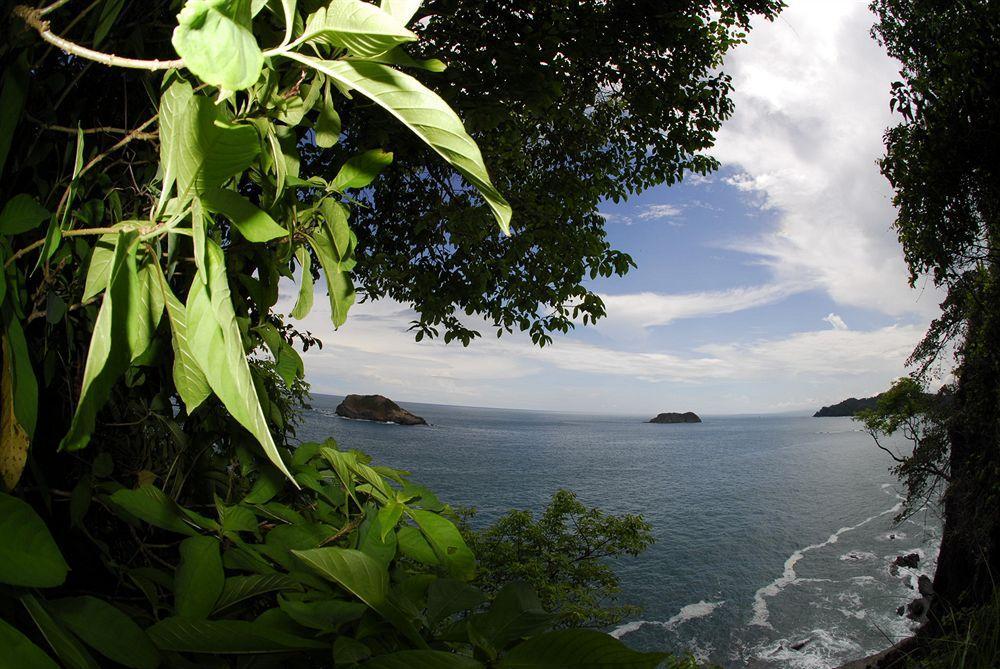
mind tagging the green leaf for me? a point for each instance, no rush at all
(423, 112)
(129, 314)
(323, 615)
(107, 630)
(400, 58)
(349, 651)
(413, 545)
(99, 270)
(334, 246)
(516, 613)
(215, 39)
(448, 596)
(423, 659)
(150, 504)
(328, 125)
(19, 652)
(447, 543)
(361, 28)
(403, 10)
(238, 589)
(287, 361)
(18, 403)
(356, 572)
(20, 214)
(12, 94)
(361, 170)
(67, 647)
(109, 14)
(304, 302)
(577, 649)
(29, 556)
(254, 224)
(225, 636)
(217, 347)
(189, 380)
(199, 578)
(199, 149)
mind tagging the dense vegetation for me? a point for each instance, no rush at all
(941, 162)
(159, 510)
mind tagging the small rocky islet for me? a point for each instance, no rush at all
(686, 417)
(376, 408)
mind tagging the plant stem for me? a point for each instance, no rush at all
(34, 19)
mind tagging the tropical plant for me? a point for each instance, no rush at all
(158, 514)
(565, 555)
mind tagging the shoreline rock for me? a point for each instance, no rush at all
(376, 408)
(687, 417)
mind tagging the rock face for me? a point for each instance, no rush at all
(911, 561)
(688, 417)
(377, 408)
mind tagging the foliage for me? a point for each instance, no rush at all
(922, 419)
(969, 640)
(573, 102)
(940, 161)
(563, 555)
(143, 233)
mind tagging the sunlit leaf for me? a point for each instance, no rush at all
(361, 28)
(252, 223)
(361, 170)
(215, 39)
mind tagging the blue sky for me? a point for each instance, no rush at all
(774, 285)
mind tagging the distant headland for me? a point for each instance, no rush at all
(687, 417)
(849, 407)
(376, 408)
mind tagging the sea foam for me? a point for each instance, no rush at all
(690, 612)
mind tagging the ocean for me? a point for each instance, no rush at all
(770, 531)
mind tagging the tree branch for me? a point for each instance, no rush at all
(34, 18)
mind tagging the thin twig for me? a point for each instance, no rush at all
(34, 19)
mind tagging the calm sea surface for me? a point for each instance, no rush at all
(770, 531)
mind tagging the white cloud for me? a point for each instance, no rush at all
(615, 218)
(811, 94)
(660, 212)
(648, 309)
(836, 321)
(374, 352)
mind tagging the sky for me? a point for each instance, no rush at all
(774, 285)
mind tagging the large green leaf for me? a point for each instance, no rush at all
(19, 652)
(107, 630)
(448, 596)
(324, 615)
(362, 575)
(111, 344)
(304, 302)
(403, 10)
(150, 504)
(215, 39)
(423, 112)
(199, 578)
(577, 649)
(99, 270)
(28, 554)
(361, 170)
(447, 543)
(199, 149)
(13, 91)
(225, 636)
(241, 588)
(217, 347)
(516, 613)
(423, 659)
(189, 380)
(18, 404)
(252, 223)
(334, 245)
(361, 28)
(20, 214)
(67, 647)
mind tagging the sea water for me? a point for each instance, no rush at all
(770, 531)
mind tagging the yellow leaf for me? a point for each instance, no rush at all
(14, 439)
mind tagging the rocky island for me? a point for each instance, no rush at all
(687, 417)
(376, 408)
